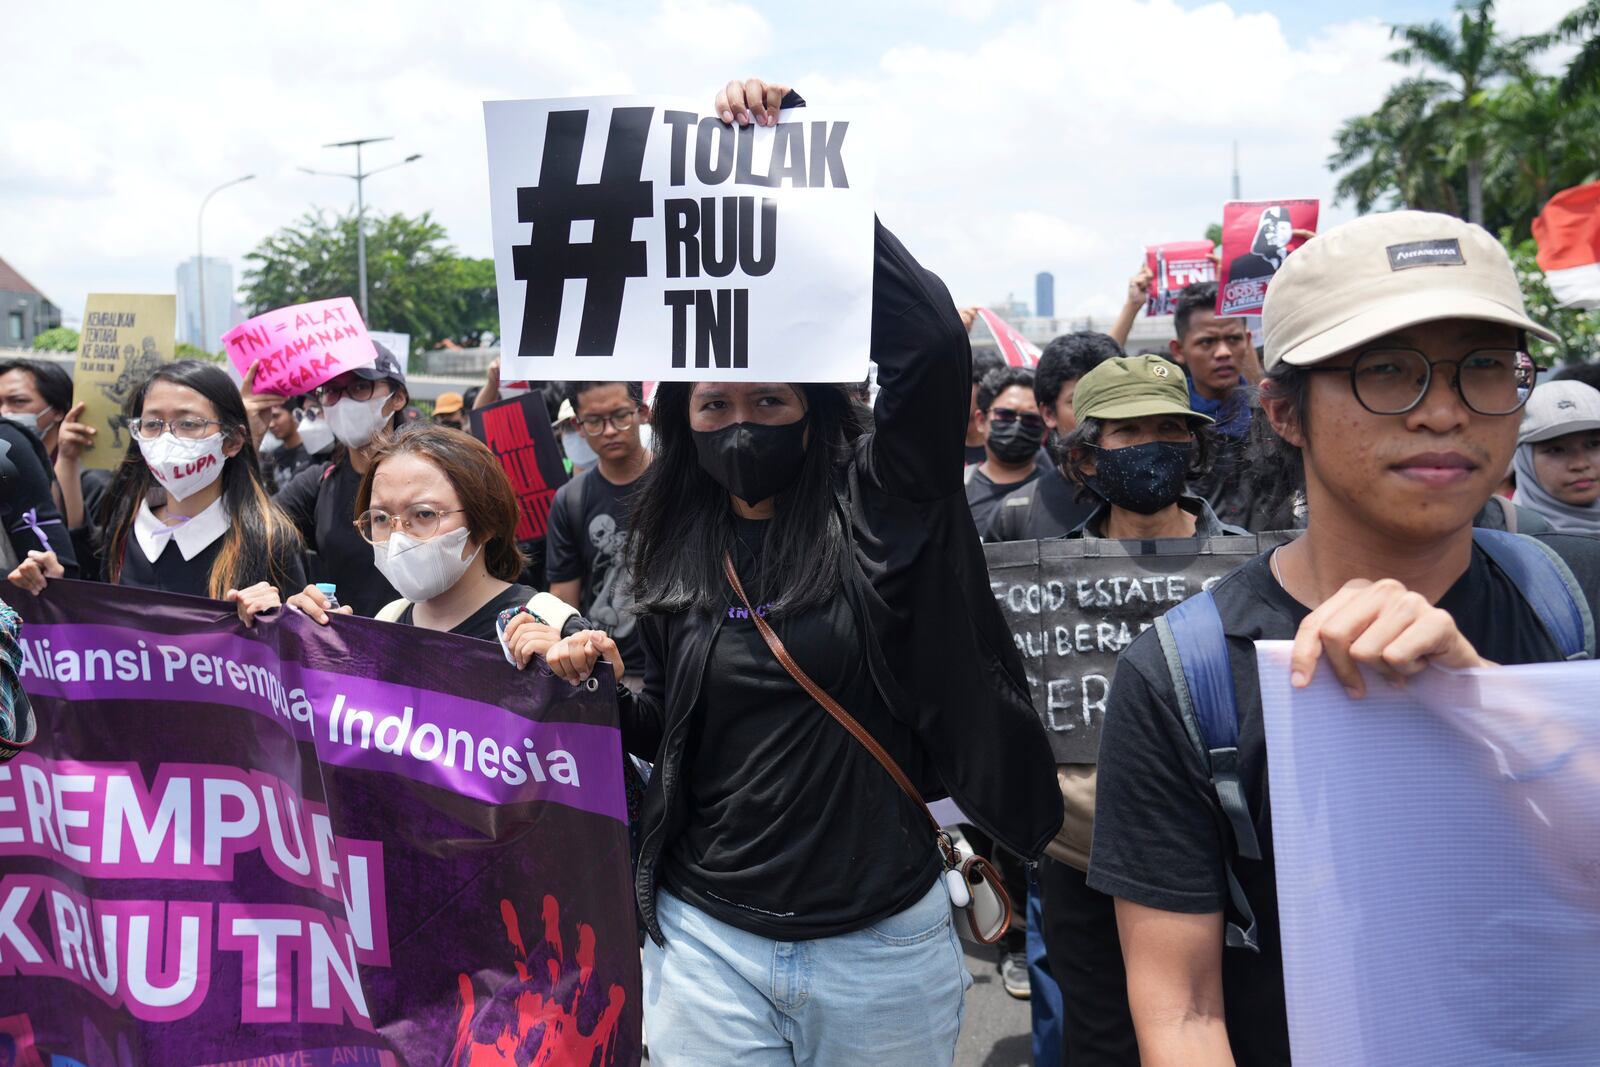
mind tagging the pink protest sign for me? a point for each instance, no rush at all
(301, 346)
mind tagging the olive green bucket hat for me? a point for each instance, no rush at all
(1131, 387)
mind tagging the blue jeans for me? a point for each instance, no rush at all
(1045, 1003)
(891, 995)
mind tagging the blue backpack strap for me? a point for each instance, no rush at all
(1196, 650)
(1547, 583)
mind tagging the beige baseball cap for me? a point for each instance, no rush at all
(1381, 273)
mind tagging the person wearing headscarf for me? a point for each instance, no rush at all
(1558, 456)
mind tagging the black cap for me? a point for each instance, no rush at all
(387, 368)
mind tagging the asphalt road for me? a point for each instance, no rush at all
(997, 1029)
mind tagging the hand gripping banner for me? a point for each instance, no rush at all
(364, 844)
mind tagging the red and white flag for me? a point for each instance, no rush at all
(1015, 349)
(1568, 233)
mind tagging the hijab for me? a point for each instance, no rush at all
(1566, 518)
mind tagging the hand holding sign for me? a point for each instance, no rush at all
(752, 98)
(300, 347)
(731, 243)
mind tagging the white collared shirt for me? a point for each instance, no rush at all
(192, 535)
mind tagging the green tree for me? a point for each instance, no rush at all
(59, 339)
(1433, 127)
(1542, 145)
(416, 283)
(1582, 24)
(185, 350)
(1398, 156)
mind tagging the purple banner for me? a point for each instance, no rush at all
(362, 843)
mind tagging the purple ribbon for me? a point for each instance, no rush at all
(30, 519)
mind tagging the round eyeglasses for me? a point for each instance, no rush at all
(595, 425)
(420, 521)
(1393, 381)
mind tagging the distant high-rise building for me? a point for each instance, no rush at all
(221, 312)
(1044, 295)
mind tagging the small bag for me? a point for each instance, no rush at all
(980, 907)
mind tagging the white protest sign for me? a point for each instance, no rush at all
(1437, 851)
(642, 238)
(398, 344)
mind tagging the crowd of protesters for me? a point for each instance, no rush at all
(731, 549)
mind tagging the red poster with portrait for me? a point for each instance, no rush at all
(1175, 266)
(1256, 236)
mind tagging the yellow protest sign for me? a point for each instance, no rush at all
(124, 338)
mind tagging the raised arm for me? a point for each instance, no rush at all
(924, 378)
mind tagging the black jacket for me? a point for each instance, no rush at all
(940, 652)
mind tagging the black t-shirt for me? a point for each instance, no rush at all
(1157, 840)
(794, 831)
(283, 463)
(984, 495)
(1046, 507)
(321, 501)
(27, 498)
(481, 623)
(584, 542)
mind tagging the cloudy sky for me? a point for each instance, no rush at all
(1059, 135)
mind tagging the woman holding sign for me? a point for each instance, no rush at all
(188, 511)
(791, 885)
(357, 405)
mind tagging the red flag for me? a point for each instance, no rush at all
(1568, 233)
(1015, 349)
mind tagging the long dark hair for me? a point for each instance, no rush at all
(682, 520)
(473, 471)
(259, 538)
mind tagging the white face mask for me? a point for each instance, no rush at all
(269, 443)
(578, 450)
(184, 467)
(421, 570)
(316, 435)
(356, 422)
(30, 419)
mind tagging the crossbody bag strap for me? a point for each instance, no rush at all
(832, 706)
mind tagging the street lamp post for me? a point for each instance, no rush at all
(361, 228)
(200, 253)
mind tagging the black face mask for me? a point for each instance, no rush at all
(1013, 442)
(753, 461)
(1141, 478)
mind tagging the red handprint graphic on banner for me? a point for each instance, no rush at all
(555, 1013)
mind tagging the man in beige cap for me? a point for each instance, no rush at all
(1396, 373)
(448, 411)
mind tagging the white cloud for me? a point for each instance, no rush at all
(1061, 136)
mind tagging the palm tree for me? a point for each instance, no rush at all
(1542, 145)
(1472, 57)
(1583, 73)
(1399, 156)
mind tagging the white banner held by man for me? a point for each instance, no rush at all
(643, 238)
(1438, 864)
